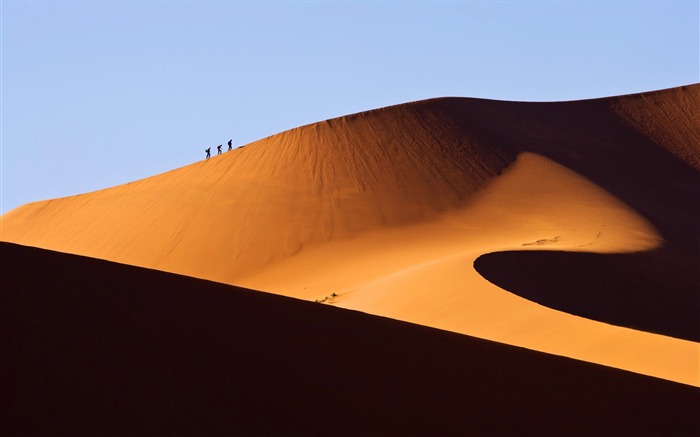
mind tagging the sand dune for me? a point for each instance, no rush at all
(97, 348)
(389, 209)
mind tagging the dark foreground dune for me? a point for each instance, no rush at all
(91, 347)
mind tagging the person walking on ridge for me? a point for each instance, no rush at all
(208, 152)
(218, 149)
(229, 145)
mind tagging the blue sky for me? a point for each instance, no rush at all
(99, 93)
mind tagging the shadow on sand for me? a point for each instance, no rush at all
(651, 291)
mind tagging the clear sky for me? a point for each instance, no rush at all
(99, 93)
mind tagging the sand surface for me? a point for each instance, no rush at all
(392, 210)
(97, 348)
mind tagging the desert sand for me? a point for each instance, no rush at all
(92, 347)
(567, 229)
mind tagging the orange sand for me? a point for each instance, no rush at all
(390, 208)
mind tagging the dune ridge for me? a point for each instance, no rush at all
(329, 180)
(390, 208)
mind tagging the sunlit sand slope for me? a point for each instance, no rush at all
(234, 214)
(98, 348)
(390, 209)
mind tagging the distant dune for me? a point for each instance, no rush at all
(570, 228)
(92, 347)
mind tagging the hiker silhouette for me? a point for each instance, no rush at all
(218, 149)
(208, 152)
(229, 145)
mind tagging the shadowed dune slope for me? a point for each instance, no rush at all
(638, 290)
(657, 291)
(97, 348)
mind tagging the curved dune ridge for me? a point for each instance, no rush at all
(387, 211)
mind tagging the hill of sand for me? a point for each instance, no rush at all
(569, 227)
(93, 347)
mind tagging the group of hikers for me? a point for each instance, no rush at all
(218, 149)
